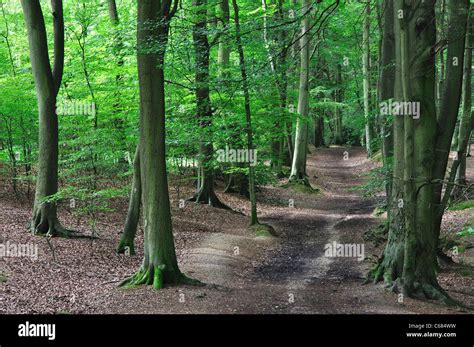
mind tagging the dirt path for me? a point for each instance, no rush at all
(244, 273)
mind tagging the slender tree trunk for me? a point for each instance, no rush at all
(248, 115)
(133, 213)
(338, 112)
(205, 193)
(298, 167)
(466, 114)
(369, 136)
(386, 87)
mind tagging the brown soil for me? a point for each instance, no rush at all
(244, 273)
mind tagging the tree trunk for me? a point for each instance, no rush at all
(298, 167)
(205, 193)
(386, 87)
(47, 82)
(338, 112)
(248, 115)
(449, 105)
(464, 130)
(159, 266)
(133, 213)
(369, 136)
(409, 260)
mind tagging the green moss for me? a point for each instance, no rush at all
(263, 230)
(462, 205)
(3, 277)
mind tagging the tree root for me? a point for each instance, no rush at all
(208, 198)
(156, 276)
(421, 291)
(51, 227)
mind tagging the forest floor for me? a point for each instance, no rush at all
(243, 273)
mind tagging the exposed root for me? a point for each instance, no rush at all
(51, 227)
(209, 198)
(156, 276)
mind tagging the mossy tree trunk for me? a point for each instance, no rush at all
(159, 266)
(409, 262)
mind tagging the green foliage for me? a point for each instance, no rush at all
(463, 205)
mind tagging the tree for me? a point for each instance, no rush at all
(298, 167)
(450, 100)
(409, 260)
(127, 239)
(466, 114)
(205, 193)
(369, 135)
(159, 265)
(47, 82)
(386, 86)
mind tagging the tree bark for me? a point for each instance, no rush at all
(205, 193)
(47, 82)
(248, 115)
(409, 260)
(451, 97)
(159, 266)
(369, 135)
(466, 114)
(298, 167)
(133, 213)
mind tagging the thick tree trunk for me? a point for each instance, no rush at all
(159, 265)
(298, 167)
(409, 260)
(47, 84)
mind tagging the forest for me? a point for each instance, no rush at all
(236, 156)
